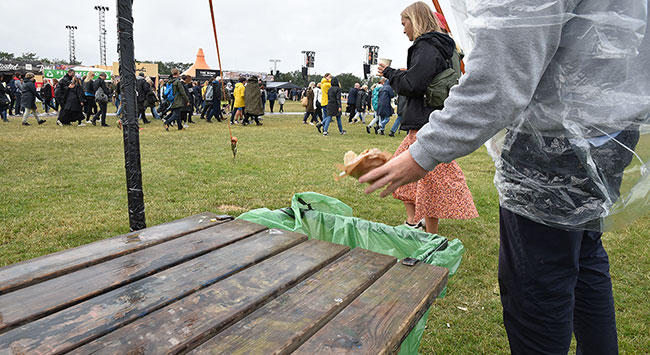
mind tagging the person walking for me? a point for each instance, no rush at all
(101, 99)
(401, 100)
(352, 102)
(239, 104)
(375, 102)
(273, 95)
(561, 147)
(282, 97)
(325, 85)
(17, 87)
(333, 107)
(47, 92)
(309, 109)
(263, 95)
(28, 99)
(186, 111)
(89, 91)
(142, 92)
(318, 109)
(178, 98)
(253, 101)
(61, 90)
(362, 105)
(73, 103)
(215, 105)
(5, 99)
(384, 107)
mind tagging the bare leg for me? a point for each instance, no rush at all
(431, 225)
(410, 212)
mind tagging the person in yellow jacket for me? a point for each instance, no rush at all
(240, 103)
(325, 85)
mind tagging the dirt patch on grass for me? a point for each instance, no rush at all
(231, 208)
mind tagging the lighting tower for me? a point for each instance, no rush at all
(102, 34)
(275, 65)
(71, 48)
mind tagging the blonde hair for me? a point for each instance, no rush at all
(90, 76)
(29, 75)
(312, 84)
(422, 18)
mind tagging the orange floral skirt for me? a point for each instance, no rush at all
(442, 193)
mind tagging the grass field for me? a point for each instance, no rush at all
(65, 186)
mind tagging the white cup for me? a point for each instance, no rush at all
(384, 61)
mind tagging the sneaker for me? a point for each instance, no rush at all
(344, 132)
(41, 121)
(376, 129)
(59, 123)
(417, 226)
(26, 124)
(368, 129)
(311, 123)
(79, 125)
(324, 133)
(88, 122)
(318, 127)
(186, 126)
(391, 134)
(258, 123)
(304, 122)
(381, 131)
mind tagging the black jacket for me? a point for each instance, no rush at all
(89, 87)
(29, 95)
(100, 83)
(188, 92)
(46, 91)
(62, 88)
(217, 91)
(143, 89)
(362, 100)
(334, 101)
(428, 56)
(73, 99)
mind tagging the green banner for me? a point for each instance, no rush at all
(60, 73)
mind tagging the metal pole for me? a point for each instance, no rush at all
(71, 44)
(130, 132)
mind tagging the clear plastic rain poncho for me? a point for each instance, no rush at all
(578, 157)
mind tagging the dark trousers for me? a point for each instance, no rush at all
(554, 283)
(271, 103)
(313, 117)
(319, 111)
(353, 111)
(215, 111)
(18, 109)
(101, 113)
(175, 115)
(89, 107)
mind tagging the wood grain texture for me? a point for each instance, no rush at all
(283, 324)
(381, 317)
(86, 321)
(55, 294)
(187, 323)
(29, 272)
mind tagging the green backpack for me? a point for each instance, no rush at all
(438, 90)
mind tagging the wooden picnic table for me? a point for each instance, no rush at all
(208, 284)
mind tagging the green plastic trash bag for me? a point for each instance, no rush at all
(326, 218)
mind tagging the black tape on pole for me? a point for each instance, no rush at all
(130, 132)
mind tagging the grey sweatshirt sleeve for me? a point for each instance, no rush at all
(502, 73)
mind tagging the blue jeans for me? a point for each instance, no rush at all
(554, 283)
(383, 121)
(3, 114)
(396, 124)
(328, 119)
(118, 100)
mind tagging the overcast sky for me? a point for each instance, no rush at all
(250, 31)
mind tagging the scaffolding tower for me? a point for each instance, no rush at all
(102, 33)
(71, 47)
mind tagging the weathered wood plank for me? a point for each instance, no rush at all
(381, 317)
(48, 266)
(283, 324)
(55, 294)
(190, 321)
(86, 321)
